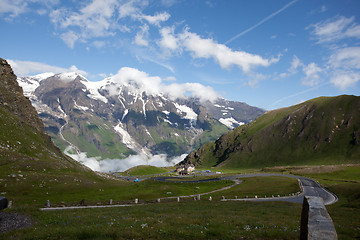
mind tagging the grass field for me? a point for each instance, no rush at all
(261, 187)
(187, 220)
(145, 170)
(190, 219)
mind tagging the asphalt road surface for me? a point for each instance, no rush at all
(309, 188)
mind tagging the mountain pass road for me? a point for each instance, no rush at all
(308, 186)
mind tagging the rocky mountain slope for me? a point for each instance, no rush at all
(27, 154)
(324, 130)
(123, 115)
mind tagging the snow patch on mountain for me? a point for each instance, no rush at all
(126, 138)
(230, 122)
(125, 113)
(165, 120)
(93, 88)
(29, 84)
(43, 108)
(189, 113)
(69, 76)
(82, 108)
(144, 106)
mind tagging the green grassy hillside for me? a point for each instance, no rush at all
(30, 164)
(324, 130)
(145, 170)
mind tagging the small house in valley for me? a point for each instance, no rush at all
(185, 169)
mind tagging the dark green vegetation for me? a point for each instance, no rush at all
(324, 130)
(187, 219)
(145, 170)
(92, 135)
(190, 220)
(63, 191)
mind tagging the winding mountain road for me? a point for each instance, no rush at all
(309, 188)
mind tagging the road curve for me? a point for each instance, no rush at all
(309, 188)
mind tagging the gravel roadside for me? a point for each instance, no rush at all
(13, 220)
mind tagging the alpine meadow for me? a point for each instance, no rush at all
(171, 119)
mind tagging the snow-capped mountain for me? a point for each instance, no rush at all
(127, 114)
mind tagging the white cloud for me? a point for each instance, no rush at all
(120, 165)
(14, 8)
(342, 68)
(94, 20)
(345, 64)
(323, 8)
(335, 29)
(99, 44)
(138, 82)
(105, 18)
(131, 8)
(255, 79)
(312, 72)
(224, 56)
(69, 38)
(170, 79)
(156, 19)
(142, 36)
(345, 79)
(26, 68)
(168, 39)
(97, 19)
(295, 64)
(312, 76)
(195, 90)
(348, 58)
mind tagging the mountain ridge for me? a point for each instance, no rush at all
(24, 145)
(319, 131)
(123, 115)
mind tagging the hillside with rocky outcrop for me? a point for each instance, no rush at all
(324, 130)
(27, 154)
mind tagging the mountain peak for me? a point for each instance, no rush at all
(69, 76)
(42, 76)
(130, 113)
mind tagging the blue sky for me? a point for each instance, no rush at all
(269, 54)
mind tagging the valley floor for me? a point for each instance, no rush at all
(202, 219)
